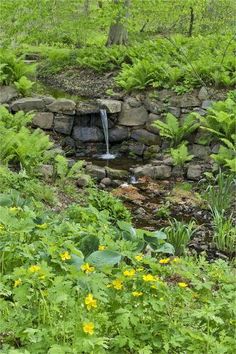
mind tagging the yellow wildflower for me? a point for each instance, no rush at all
(90, 302)
(164, 261)
(34, 268)
(88, 328)
(2, 227)
(129, 273)
(42, 226)
(117, 284)
(101, 248)
(14, 209)
(137, 293)
(183, 285)
(148, 277)
(87, 268)
(139, 257)
(17, 282)
(65, 256)
(154, 287)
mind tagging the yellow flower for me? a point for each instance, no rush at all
(2, 227)
(183, 285)
(14, 209)
(90, 302)
(176, 260)
(139, 257)
(65, 256)
(42, 226)
(17, 283)
(87, 268)
(164, 261)
(117, 284)
(149, 277)
(137, 293)
(34, 268)
(154, 287)
(101, 248)
(129, 273)
(88, 328)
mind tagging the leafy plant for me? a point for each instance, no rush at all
(173, 130)
(179, 234)
(64, 173)
(180, 155)
(14, 121)
(24, 85)
(224, 231)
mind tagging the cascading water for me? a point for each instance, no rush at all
(104, 119)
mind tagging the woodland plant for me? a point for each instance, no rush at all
(180, 155)
(224, 231)
(174, 130)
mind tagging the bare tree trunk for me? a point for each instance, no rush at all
(118, 34)
(190, 31)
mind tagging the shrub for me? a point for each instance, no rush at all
(180, 155)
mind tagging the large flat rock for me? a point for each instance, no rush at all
(132, 116)
(28, 104)
(7, 93)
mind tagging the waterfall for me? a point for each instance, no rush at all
(104, 119)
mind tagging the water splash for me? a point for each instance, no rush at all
(104, 119)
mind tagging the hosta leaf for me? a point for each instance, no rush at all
(103, 258)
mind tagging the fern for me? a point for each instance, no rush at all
(181, 155)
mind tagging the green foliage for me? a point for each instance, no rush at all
(24, 85)
(14, 121)
(220, 192)
(14, 70)
(180, 155)
(179, 234)
(64, 173)
(174, 130)
(105, 201)
(224, 236)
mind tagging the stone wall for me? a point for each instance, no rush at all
(130, 124)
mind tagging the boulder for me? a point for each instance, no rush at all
(87, 108)
(135, 148)
(145, 137)
(118, 134)
(153, 106)
(43, 120)
(203, 93)
(207, 104)
(63, 123)
(28, 104)
(156, 172)
(47, 171)
(112, 106)
(185, 101)
(62, 105)
(132, 116)
(7, 93)
(106, 181)
(87, 134)
(176, 111)
(200, 151)
(194, 172)
(48, 99)
(177, 171)
(116, 174)
(96, 172)
(133, 102)
(151, 152)
(82, 181)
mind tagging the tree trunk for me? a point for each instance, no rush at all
(118, 34)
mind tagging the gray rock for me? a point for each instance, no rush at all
(156, 172)
(96, 172)
(7, 93)
(200, 111)
(194, 172)
(145, 137)
(177, 171)
(63, 123)
(152, 117)
(43, 120)
(112, 106)
(133, 102)
(87, 134)
(28, 104)
(82, 182)
(87, 108)
(135, 148)
(116, 174)
(62, 105)
(46, 171)
(118, 134)
(207, 103)
(203, 93)
(151, 151)
(168, 161)
(106, 181)
(48, 99)
(200, 151)
(132, 116)
(215, 148)
(175, 111)
(153, 106)
(185, 101)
